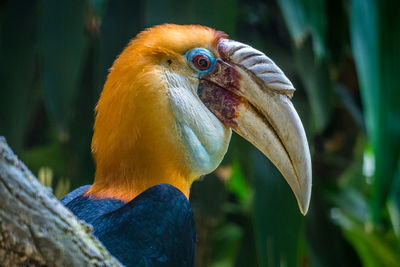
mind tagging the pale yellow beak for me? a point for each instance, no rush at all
(248, 92)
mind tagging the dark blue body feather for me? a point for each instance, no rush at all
(154, 229)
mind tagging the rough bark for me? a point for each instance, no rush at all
(35, 228)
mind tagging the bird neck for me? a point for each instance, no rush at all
(132, 163)
(137, 158)
(136, 142)
(125, 186)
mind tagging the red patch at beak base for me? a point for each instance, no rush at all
(221, 102)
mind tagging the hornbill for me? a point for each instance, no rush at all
(164, 119)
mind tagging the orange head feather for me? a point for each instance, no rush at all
(135, 142)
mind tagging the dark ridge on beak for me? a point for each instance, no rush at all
(256, 64)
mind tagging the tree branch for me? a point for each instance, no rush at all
(35, 228)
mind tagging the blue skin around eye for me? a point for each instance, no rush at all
(196, 51)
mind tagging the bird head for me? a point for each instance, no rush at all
(170, 102)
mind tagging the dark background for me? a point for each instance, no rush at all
(342, 56)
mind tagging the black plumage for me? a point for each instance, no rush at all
(155, 229)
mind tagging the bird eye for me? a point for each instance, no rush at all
(200, 59)
(201, 62)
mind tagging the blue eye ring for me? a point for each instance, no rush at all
(200, 59)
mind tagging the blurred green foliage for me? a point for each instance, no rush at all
(342, 56)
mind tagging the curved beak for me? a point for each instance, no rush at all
(249, 93)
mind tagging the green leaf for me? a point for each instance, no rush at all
(167, 11)
(52, 155)
(303, 17)
(18, 55)
(387, 148)
(237, 183)
(63, 43)
(277, 219)
(394, 203)
(315, 77)
(209, 12)
(295, 18)
(375, 248)
(246, 252)
(375, 36)
(210, 203)
(227, 240)
(221, 15)
(337, 33)
(317, 17)
(327, 245)
(98, 6)
(81, 123)
(120, 23)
